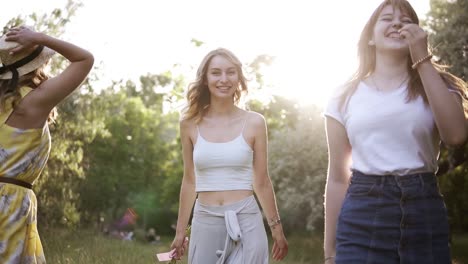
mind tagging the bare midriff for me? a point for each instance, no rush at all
(219, 198)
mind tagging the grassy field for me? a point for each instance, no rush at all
(85, 246)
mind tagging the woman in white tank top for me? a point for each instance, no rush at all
(225, 162)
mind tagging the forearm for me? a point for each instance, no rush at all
(266, 197)
(187, 199)
(334, 195)
(448, 112)
(70, 51)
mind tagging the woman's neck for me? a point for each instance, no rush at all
(390, 73)
(222, 109)
(390, 66)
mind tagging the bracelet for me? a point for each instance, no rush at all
(328, 258)
(274, 222)
(421, 60)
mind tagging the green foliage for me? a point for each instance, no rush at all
(448, 21)
(196, 42)
(111, 150)
(256, 66)
(454, 185)
(130, 166)
(279, 113)
(52, 24)
(298, 162)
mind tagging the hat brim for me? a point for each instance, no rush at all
(37, 62)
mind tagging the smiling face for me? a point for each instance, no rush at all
(222, 78)
(385, 34)
(378, 34)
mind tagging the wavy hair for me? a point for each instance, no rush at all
(198, 95)
(367, 57)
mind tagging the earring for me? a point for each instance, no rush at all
(371, 43)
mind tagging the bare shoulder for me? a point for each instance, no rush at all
(187, 127)
(256, 123)
(186, 124)
(256, 119)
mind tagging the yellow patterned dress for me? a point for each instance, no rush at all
(23, 155)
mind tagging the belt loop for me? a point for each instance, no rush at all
(397, 179)
(421, 179)
(353, 172)
(382, 180)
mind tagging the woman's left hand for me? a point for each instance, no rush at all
(280, 245)
(417, 40)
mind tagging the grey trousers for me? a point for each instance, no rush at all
(228, 234)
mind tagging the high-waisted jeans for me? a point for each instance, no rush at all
(393, 219)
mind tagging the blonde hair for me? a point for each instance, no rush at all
(198, 95)
(366, 54)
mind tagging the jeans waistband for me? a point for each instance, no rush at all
(417, 178)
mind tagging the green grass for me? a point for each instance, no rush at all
(460, 248)
(85, 246)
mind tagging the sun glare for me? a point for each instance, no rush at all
(305, 83)
(323, 55)
(314, 45)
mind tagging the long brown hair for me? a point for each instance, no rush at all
(198, 95)
(11, 96)
(367, 56)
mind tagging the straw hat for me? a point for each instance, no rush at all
(31, 63)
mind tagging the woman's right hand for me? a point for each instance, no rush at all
(179, 244)
(24, 36)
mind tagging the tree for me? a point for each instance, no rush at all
(298, 162)
(129, 166)
(448, 20)
(448, 23)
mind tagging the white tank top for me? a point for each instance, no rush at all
(223, 166)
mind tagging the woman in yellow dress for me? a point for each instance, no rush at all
(27, 100)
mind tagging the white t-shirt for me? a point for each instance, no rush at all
(388, 135)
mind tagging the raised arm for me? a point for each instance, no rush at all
(446, 106)
(44, 98)
(187, 190)
(339, 161)
(264, 189)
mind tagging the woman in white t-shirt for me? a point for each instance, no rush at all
(385, 125)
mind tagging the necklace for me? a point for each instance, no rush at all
(378, 88)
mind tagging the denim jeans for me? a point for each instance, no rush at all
(393, 219)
